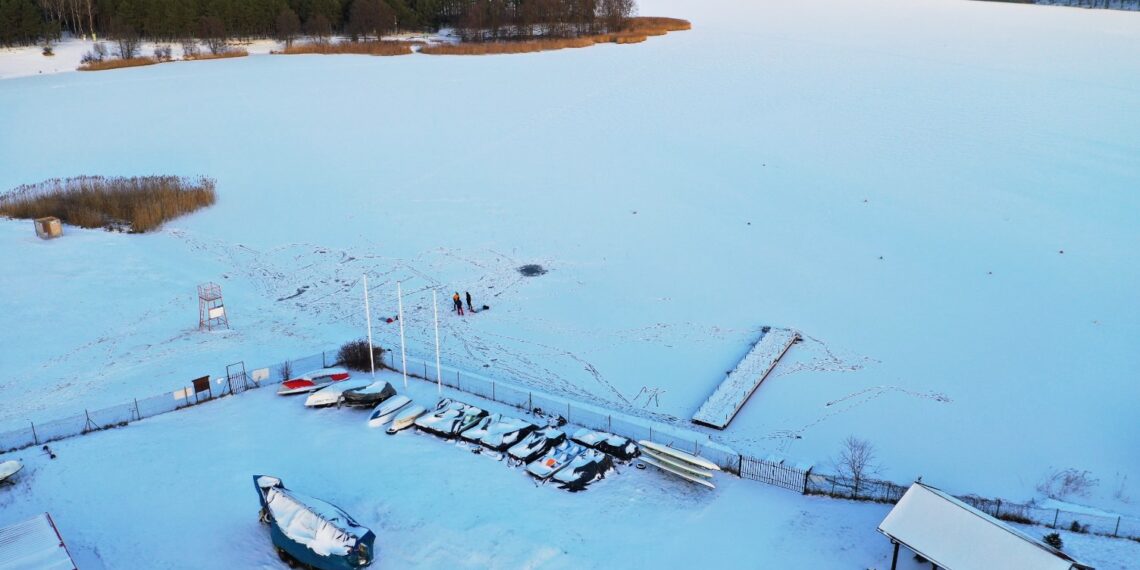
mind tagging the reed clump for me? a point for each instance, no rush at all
(223, 55)
(358, 48)
(635, 30)
(137, 204)
(117, 63)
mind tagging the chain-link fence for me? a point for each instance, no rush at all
(196, 392)
(575, 412)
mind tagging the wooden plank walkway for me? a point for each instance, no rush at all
(730, 396)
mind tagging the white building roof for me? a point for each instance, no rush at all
(33, 544)
(956, 536)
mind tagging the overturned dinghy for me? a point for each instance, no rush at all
(311, 531)
(498, 432)
(9, 468)
(536, 444)
(450, 418)
(332, 395)
(384, 413)
(369, 395)
(406, 417)
(619, 447)
(584, 469)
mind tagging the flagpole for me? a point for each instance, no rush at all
(403, 350)
(368, 318)
(438, 369)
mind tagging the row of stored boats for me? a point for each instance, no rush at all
(548, 454)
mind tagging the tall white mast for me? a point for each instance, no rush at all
(438, 369)
(368, 319)
(403, 351)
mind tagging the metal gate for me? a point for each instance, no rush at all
(776, 474)
(236, 379)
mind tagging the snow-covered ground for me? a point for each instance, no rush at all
(895, 179)
(180, 495)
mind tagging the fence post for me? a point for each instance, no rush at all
(138, 414)
(493, 391)
(1056, 515)
(740, 465)
(650, 433)
(567, 412)
(997, 511)
(530, 401)
(1117, 531)
(35, 437)
(323, 363)
(610, 424)
(807, 474)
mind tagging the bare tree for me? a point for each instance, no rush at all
(213, 33)
(856, 461)
(319, 27)
(127, 38)
(287, 25)
(370, 17)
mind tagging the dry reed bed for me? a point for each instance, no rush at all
(358, 48)
(142, 202)
(118, 63)
(636, 30)
(224, 55)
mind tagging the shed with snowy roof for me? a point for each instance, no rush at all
(955, 536)
(33, 544)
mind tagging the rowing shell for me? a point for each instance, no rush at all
(676, 454)
(664, 466)
(677, 464)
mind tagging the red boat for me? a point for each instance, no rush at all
(314, 380)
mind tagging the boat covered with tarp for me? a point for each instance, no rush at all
(312, 531)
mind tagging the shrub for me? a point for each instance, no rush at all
(1077, 527)
(1062, 483)
(163, 53)
(1053, 539)
(286, 371)
(98, 53)
(143, 203)
(190, 49)
(354, 355)
(48, 51)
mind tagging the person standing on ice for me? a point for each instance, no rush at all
(458, 303)
(470, 307)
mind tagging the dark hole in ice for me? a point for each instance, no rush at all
(532, 270)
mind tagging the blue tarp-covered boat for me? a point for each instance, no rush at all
(311, 531)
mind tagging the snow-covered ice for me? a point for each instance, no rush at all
(940, 195)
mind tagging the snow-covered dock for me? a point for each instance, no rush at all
(729, 397)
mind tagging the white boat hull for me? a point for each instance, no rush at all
(9, 468)
(405, 419)
(384, 413)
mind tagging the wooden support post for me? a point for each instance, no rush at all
(1117, 531)
(35, 437)
(895, 558)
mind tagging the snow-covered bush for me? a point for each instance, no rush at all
(1053, 539)
(354, 355)
(163, 53)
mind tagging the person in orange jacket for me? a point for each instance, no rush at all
(458, 303)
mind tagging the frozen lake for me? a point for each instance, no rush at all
(895, 179)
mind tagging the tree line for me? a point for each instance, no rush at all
(24, 22)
